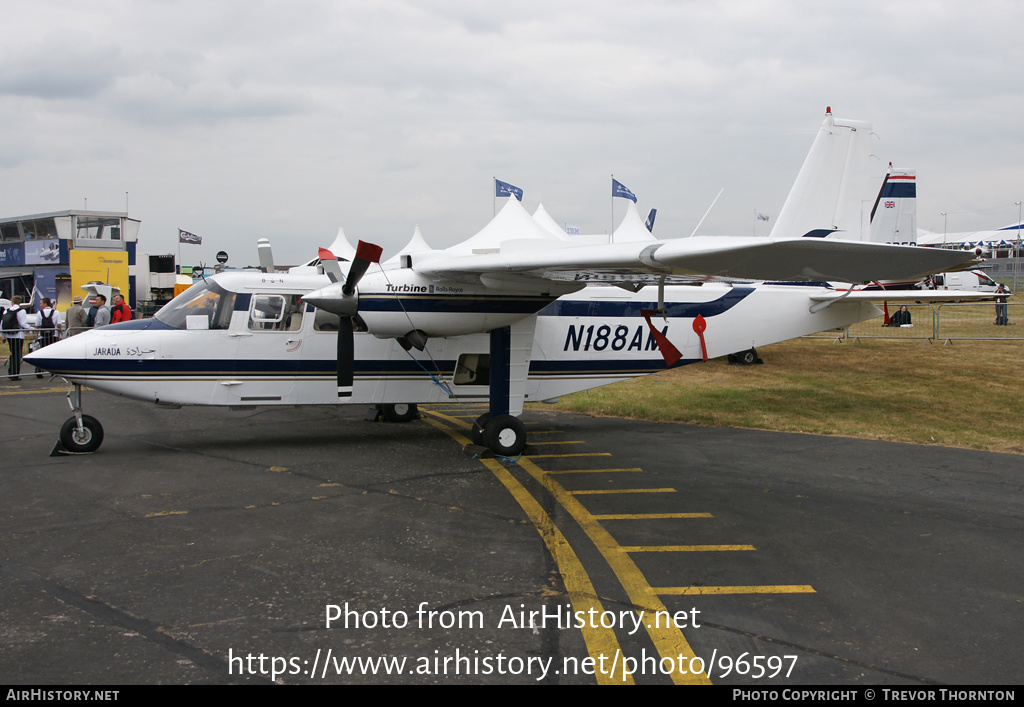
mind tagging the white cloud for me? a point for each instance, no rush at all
(277, 119)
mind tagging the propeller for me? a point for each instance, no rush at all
(266, 255)
(330, 264)
(341, 299)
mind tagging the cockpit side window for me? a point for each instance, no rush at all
(202, 306)
(276, 313)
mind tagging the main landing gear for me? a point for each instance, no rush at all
(399, 412)
(504, 435)
(80, 434)
(392, 412)
(745, 358)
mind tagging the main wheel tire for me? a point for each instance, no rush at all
(399, 412)
(747, 358)
(505, 435)
(476, 433)
(88, 440)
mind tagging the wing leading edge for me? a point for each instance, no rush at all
(793, 259)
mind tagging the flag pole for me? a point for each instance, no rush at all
(611, 233)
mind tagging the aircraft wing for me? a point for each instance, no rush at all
(791, 259)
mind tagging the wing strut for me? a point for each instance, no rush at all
(828, 303)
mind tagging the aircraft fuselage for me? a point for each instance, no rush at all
(245, 339)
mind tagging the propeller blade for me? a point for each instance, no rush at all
(266, 255)
(346, 357)
(366, 253)
(330, 263)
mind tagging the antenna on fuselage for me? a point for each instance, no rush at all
(266, 255)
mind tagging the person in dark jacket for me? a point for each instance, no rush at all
(901, 317)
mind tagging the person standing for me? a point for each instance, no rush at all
(120, 312)
(47, 322)
(14, 324)
(1002, 313)
(76, 317)
(99, 313)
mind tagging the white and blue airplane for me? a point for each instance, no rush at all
(515, 313)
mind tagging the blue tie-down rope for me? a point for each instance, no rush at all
(440, 383)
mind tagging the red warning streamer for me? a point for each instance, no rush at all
(699, 325)
(670, 352)
(369, 251)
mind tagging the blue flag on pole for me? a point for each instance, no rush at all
(619, 189)
(505, 189)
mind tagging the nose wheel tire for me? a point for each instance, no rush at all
(88, 439)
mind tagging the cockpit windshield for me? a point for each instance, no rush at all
(205, 305)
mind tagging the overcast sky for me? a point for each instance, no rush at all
(239, 119)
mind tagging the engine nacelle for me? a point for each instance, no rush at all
(393, 302)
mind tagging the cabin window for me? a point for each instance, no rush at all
(203, 306)
(276, 313)
(473, 369)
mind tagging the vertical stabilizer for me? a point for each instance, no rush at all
(894, 218)
(833, 193)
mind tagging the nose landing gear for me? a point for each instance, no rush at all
(80, 434)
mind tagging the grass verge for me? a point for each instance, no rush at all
(970, 394)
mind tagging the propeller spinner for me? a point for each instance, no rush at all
(341, 299)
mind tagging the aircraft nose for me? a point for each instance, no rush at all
(56, 357)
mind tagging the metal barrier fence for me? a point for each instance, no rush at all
(980, 322)
(922, 327)
(5, 354)
(31, 335)
(1004, 269)
(960, 321)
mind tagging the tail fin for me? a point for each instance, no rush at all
(650, 220)
(894, 216)
(833, 193)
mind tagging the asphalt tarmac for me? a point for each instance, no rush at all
(309, 546)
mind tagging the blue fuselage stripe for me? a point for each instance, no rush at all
(452, 304)
(219, 368)
(620, 308)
